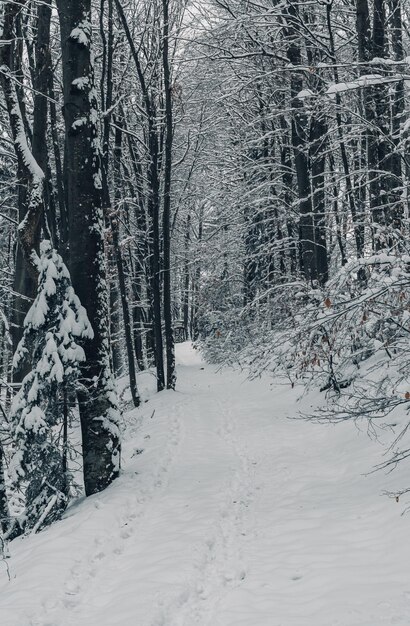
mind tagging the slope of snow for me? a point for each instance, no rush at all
(226, 514)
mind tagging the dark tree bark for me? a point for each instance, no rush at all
(339, 234)
(300, 144)
(317, 162)
(4, 507)
(106, 88)
(398, 115)
(63, 222)
(376, 112)
(25, 278)
(185, 294)
(30, 169)
(250, 269)
(42, 77)
(195, 286)
(169, 334)
(287, 184)
(381, 119)
(363, 30)
(155, 264)
(357, 218)
(97, 401)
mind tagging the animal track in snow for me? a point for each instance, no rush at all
(109, 545)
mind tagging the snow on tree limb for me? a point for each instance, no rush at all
(35, 174)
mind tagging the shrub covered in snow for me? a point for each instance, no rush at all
(350, 340)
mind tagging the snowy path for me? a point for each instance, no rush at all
(232, 515)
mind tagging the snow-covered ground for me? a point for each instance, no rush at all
(227, 514)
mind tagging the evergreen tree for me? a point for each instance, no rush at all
(52, 327)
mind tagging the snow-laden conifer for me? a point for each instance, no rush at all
(53, 325)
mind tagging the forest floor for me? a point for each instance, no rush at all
(227, 514)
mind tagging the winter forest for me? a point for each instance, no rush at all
(204, 312)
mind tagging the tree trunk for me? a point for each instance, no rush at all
(375, 112)
(139, 270)
(169, 334)
(318, 138)
(185, 295)
(300, 145)
(120, 266)
(398, 117)
(195, 287)
(357, 217)
(4, 508)
(63, 223)
(154, 281)
(97, 399)
(25, 279)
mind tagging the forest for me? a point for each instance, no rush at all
(219, 185)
